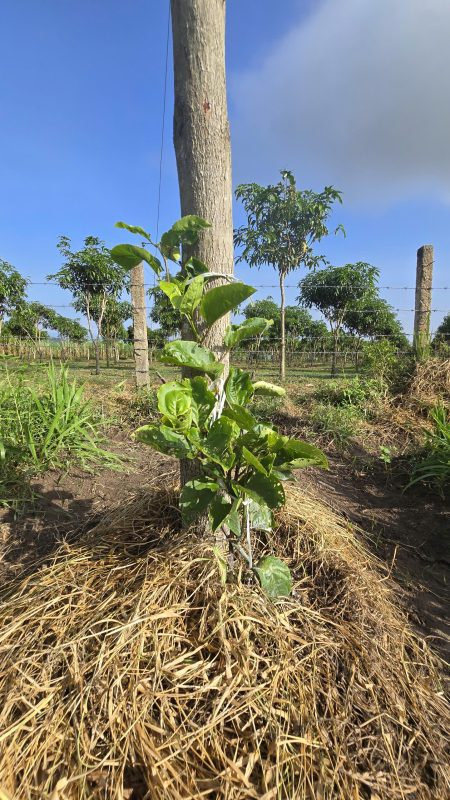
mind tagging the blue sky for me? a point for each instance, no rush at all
(330, 96)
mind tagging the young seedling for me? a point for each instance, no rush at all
(243, 463)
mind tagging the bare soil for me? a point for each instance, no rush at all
(409, 531)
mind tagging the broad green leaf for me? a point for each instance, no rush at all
(172, 290)
(165, 440)
(134, 229)
(190, 354)
(261, 517)
(203, 400)
(218, 511)
(265, 488)
(194, 267)
(129, 256)
(246, 330)
(195, 497)
(191, 297)
(238, 387)
(283, 475)
(218, 444)
(222, 512)
(269, 389)
(239, 414)
(174, 399)
(253, 461)
(262, 440)
(221, 299)
(170, 245)
(274, 576)
(295, 454)
(188, 228)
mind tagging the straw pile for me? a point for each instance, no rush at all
(128, 670)
(430, 383)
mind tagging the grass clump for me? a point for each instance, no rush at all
(337, 424)
(44, 426)
(432, 466)
(130, 670)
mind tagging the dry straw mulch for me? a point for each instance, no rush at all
(128, 670)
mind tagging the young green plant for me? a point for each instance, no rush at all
(243, 463)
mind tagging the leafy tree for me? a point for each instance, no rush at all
(334, 291)
(12, 289)
(283, 226)
(443, 330)
(298, 321)
(93, 277)
(116, 313)
(69, 329)
(373, 317)
(34, 319)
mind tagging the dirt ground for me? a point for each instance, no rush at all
(410, 531)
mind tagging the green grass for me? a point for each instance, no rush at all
(46, 422)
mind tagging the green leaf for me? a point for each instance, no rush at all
(134, 229)
(265, 488)
(274, 576)
(129, 256)
(194, 267)
(170, 245)
(195, 497)
(261, 517)
(248, 329)
(295, 454)
(269, 389)
(218, 512)
(253, 461)
(165, 440)
(203, 400)
(221, 299)
(190, 354)
(238, 387)
(174, 399)
(188, 228)
(172, 290)
(222, 512)
(218, 443)
(241, 416)
(192, 296)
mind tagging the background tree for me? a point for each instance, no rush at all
(298, 321)
(12, 289)
(162, 313)
(441, 340)
(93, 278)
(334, 291)
(372, 317)
(117, 312)
(283, 225)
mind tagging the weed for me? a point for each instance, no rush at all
(337, 423)
(51, 426)
(433, 465)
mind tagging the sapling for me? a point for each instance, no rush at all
(243, 463)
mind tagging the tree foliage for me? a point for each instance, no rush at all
(283, 226)
(12, 289)
(93, 278)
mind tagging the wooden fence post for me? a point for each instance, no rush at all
(139, 326)
(422, 315)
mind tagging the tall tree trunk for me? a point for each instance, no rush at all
(107, 343)
(140, 340)
(97, 356)
(202, 143)
(334, 354)
(283, 331)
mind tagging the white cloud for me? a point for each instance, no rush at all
(358, 95)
